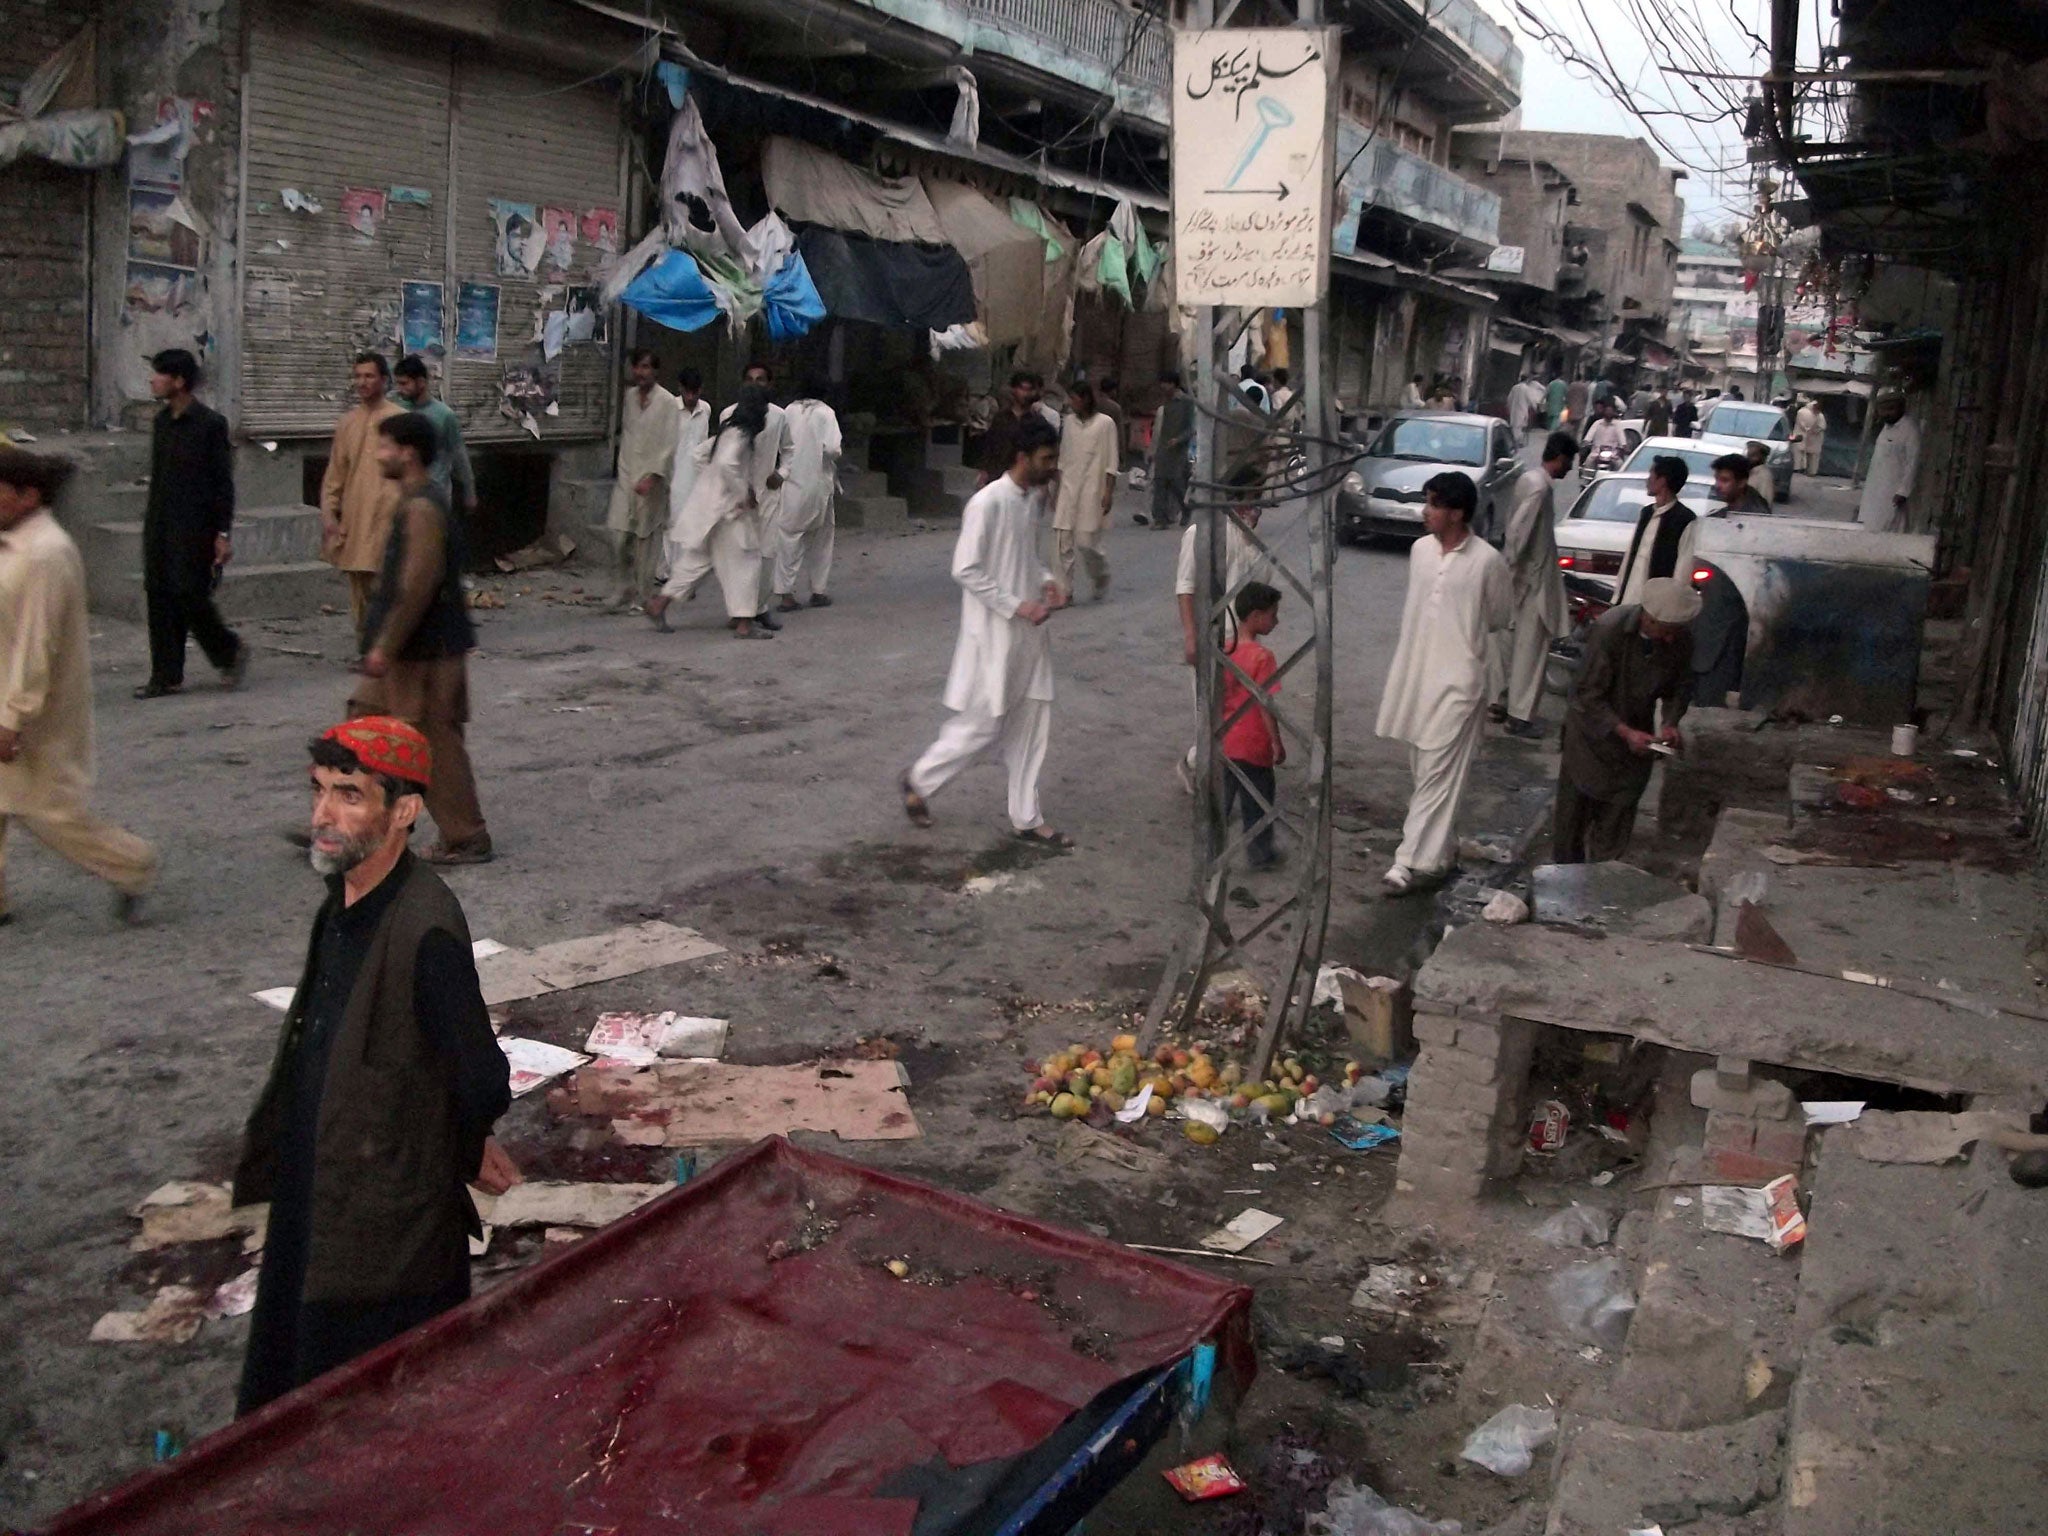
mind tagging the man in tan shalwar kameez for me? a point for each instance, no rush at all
(46, 689)
(356, 501)
(638, 516)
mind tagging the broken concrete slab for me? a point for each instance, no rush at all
(1923, 1135)
(1606, 896)
(1917, 1406)
(696, 1104)
(1614, 1478)
(1713, 1005)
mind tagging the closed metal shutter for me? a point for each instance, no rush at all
(334, 104)
(522, 138)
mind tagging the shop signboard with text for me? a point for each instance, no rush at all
(1253, 123)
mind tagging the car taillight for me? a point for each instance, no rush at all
(1704, 573)
(1567, 562)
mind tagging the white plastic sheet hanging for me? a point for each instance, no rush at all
(966, 127)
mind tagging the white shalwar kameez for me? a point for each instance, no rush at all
(1541, 614)
(693, 426)
(717, 530)
(1000, 686)
(803, 542)
(1894, 460)
(1435, 697)
(771, 457)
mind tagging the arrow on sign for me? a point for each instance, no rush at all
(1279, 193)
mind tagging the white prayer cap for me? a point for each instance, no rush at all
(1670, 601)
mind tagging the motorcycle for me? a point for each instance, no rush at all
(1604, 460)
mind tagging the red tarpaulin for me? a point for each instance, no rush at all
(734, 1357)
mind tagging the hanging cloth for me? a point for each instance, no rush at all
(808, 186)
(888, 282)
(790, 302)
(1035, 219)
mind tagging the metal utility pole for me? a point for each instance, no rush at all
(1273, 927)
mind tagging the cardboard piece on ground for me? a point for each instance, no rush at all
(534, 1062)
(641, 1039)
(622, 952)
(540, 1203)
(186, 1212)
(1737, 1211)
(280, 998)
(508, 977)
(1243, 1229)
(695, 1104)
(173, 1316)
(1922, 1136)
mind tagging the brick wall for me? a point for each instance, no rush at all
(43, 223)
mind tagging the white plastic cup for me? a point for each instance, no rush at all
(1905, 739)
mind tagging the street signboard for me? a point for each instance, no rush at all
(1505, 258)
(1253, 122)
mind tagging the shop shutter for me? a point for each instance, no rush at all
(522, 137)
(334, 105)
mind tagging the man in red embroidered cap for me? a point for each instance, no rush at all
(385, 1086)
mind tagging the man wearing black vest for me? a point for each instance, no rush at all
(385, 1086)
(1665, 533)
(417, 636)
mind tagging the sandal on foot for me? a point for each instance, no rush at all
(914, 804)
(658, 617)
(1044, 836)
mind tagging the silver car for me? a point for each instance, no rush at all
(1382, 495)
(1738, 423)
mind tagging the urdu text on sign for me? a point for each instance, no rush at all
(1252, 130)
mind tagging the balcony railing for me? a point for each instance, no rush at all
(1390, 179)
(1484, 38)
(1129, 44)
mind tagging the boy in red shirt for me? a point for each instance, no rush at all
(1251, 740)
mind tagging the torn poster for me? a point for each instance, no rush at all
(527, 394)
(558, 237)
(160, 228)
(412, 197)
(422, 322)
(554, 331)
(158, 290)
(520, 241)
(600, 227)
(362, 210)
(157, 154)
(586, 317)
(296, 201)
(476, 322)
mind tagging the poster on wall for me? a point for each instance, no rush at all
(160, 290)
(601, 229)
(476, 322)
(156, 154)
(586, 317)
(160, 228)
(558, 237)
(362, 210)
(422, 322)
(520, 242)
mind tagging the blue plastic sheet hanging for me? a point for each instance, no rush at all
(673, 292)
(790, 302)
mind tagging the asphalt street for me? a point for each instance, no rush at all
(745, 789)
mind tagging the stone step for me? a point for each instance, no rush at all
(863, 482)
(290, 591)
(262, 536)
(577, 506)
(872, 514)
(268, 477)
(936, 493)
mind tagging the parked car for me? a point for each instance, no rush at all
(1698, 456)
(1382, 495)
(1735, 424)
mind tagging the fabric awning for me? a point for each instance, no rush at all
(887, 282)
(808, 185)
(1006, 260)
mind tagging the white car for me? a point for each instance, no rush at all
(1594, 534)
(1697, 456)
(1733, 425)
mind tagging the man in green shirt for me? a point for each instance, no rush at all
(450, 470)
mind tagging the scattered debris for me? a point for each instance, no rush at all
(186, 1212)
(173, 1316)
(1923, 1136)
(1392, 1289)
(549, 549)
(1756, 939)
(1242, 1230)
(1549, 1123)
(540, 1203)
(707, 1103)
(1505, 907)
(1831, 1111)
(1593, 1301)
(1207, 1477)
(1357, 1134)
(1766, 1215)
(1078, 1141)
(641, 1039)
(233, 1298)
(535, 1062)
(1506, 1444)
(1355, 1510)
(1200, 1253)
(1578, 1226)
